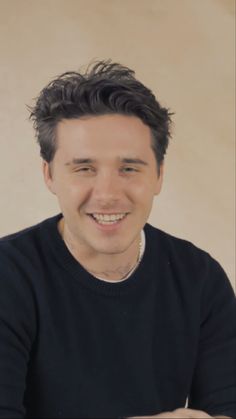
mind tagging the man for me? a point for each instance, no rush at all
(101, 314)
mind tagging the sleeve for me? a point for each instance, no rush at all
(17, 329)
(213, 388)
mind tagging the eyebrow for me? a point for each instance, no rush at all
(134, 161)
(79, 161)
(128, 160)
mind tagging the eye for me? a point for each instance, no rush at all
(85, 169)
(129, 169)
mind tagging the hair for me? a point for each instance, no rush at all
(104, 88)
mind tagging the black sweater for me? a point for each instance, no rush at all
(72, 345)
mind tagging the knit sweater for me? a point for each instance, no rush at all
(73, 346)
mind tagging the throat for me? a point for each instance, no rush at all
(117, 271)
(112, 275)
(113, 267)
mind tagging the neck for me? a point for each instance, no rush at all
(112, 267)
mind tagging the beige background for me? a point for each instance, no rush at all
(182, 49)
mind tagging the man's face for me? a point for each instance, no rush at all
(104, 165)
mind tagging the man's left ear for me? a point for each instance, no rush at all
(159, 179)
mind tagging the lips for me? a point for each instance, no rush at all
(108, 219)
(107, 225)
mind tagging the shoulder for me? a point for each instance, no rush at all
(187, 262)
(175, 247)
(22, 253)
(22, 260)
(19, 274)
(23, 240)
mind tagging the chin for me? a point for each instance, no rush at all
(109, 250)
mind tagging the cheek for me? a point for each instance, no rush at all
(69, 195)
(142, 196)
(142, 189)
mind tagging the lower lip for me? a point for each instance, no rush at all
(108, 227)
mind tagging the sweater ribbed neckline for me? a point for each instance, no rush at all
(139, 278)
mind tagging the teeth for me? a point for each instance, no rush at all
(108, 218)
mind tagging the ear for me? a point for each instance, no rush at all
(47, 174)
(159, 179)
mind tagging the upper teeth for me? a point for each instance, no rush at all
(110, 217)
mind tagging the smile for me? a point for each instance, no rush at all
(108, 219)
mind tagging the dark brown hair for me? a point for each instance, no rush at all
(104, 88)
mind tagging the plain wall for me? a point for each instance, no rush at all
(182, 49)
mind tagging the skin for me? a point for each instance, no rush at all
(181, 414)
(107, 185)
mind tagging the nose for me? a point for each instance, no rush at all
(107, 188)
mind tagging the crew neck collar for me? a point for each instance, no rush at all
(67, 261)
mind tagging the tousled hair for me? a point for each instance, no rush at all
(104, 88)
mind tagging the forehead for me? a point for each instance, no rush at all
(105, 134)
